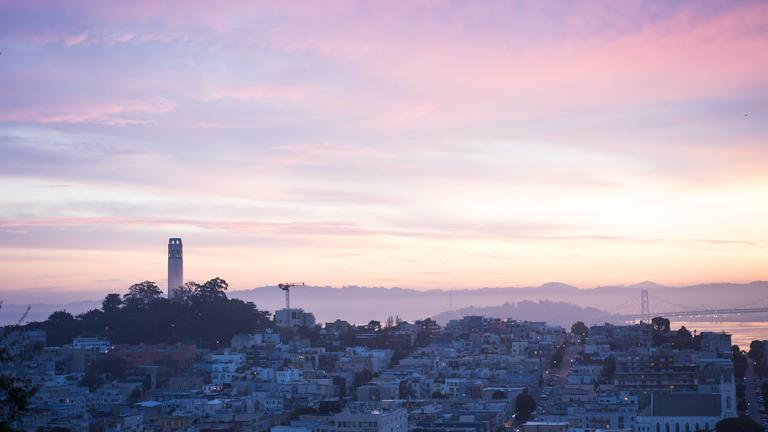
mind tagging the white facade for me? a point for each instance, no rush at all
(294, 317)
(673, 424)
(372, 421)
(91, 343)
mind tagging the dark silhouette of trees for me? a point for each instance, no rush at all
(581, 330)
(660, 325)
(143, 315)
(14, 392)
(739, 362)
(525, 405)
(373, 326)
(142, 295)
(209, 292)
(683, 339)
(757, 354)
(112, 303)
(738, 424)
(609, 367)
(104, 370)
(438, 395)
(60, 328)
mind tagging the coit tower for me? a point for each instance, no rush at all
(175, 266)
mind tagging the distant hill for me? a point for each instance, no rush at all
(558, 313)
(362, 304)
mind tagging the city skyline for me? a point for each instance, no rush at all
(420, 144)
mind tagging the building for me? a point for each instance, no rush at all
(680, 412)
(294, 317)
(175, 266)
(545, 426)
(377, 420)
(91, 343)
(718, 344)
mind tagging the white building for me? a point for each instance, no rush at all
(91, 343)
(680, 412)
(378, 420)
(294, 317)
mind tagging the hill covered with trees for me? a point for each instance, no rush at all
(201, 314)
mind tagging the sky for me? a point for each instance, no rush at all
(422, 144)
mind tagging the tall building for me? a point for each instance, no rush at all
(175, 266)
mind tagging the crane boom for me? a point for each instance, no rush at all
(24, 315)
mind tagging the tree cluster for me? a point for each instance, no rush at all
(200, 313)
(581, 330)
(525, 405)
(15, 392)
(757, 355)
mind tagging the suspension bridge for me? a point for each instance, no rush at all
(672, 310)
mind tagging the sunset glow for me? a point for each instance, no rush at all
(421, 144)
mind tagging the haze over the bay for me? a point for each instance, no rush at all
(413, 144)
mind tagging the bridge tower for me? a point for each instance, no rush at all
(645, 308)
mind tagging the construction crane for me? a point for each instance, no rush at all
(24, 316)
(287, 288)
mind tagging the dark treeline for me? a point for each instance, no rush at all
(200, 314)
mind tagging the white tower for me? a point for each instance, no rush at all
(175, 266)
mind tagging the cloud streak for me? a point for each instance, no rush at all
(380, 142)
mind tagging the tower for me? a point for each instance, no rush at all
(175, 266)
(645, 308)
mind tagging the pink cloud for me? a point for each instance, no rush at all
(256, 92)
(111, 113)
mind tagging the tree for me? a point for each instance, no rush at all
(135, 395)
(660, 325)
(525, 405)
(61, 317)
(741, 390)
(498, 395)
(438, 395)
(142, 295)
(581, 330)
(211, 291)
(373, 326)
(757, 354)
(14, 392)
(609, 367)
(104, 370)
(738, 424)
(739, 362)
(683, 338)
(185, 293)
(112, 303)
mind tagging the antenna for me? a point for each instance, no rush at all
(287, 288)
